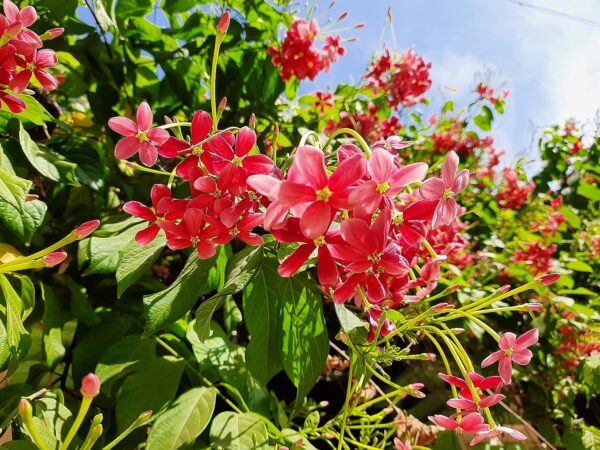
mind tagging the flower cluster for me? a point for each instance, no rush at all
(513, 194)
(489, 93)
(476, 394)
(454, 137)
(536, 258)
(215, 165)
(298, 57)
(22, 56)
(403, 78)
(363, 220)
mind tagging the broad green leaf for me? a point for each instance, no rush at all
(55, 416)
(169, 305)
(262, 313)
(152, 386)
(348, 320)
(18, 445)
(239, 431)
(295, 440)
(34, 112)
(126, 9)
(484, 119)
(241, 268)
(588, 190)
(135, 260)
(304, 343)
(13, 189)
(123, 357)
(54, 318)
(23, 222)
(41, 160)
(579, 266)
(104, 251)
(14, 321)
(4, 347)
(180, 425)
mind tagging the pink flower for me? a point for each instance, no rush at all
(374, 316)
(195, 230)
(479, 382)
(165, 208)
(399, 445)
(471, 423)
(386, 180)
(54, 258)
(512, 348)
(35, 65)
(90, 385)
(444, 190)
(497, 431)
(140, 137)
(314, 195)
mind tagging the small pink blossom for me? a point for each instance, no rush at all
(86, 228)
(90, 385)
(139, 136)
(512, 348)
(497, 431)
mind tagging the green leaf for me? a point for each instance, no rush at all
(348, 320)
(104, 251)
(239, 432)
(579, 266)
(169, 305)
(42, 161)
(124, 357)
(262, 313)
(591, 438)
(149, 388)
(241, 268)
(14, 321)
(54, 319)
(24, 222)
(484, 119)
(588, 190)
(180, 425)
(34, 113)
(304, 343)
(295, 440)
(126, 9)
(135, 260)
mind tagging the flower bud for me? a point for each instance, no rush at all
(252, 121)
(535, 307)
(54, 258)
(144, 416)
(31, 197)
(222, 104)
(416, 386)
(223, 25)
(324, 404)
(548, 279)
(87, 228)
(457, 330)
(90, 385)
(342, 16)
(52, 33)
(504, 289)
(443, 306)
(25, 409)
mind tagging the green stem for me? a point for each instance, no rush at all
(213, 82)
(83, 409)
(39, 264)
(175, 125)
(71, 237)
(349, 392)
(352, 133)
(136, 166)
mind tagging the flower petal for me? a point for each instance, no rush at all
(432, 189)
(292, 263)
(316, 220)
(127, 147)
(246, 138)
(449, 168)
(380, 165)
(144, 117)
(201, 126)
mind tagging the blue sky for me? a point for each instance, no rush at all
(550, 64)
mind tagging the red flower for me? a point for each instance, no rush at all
(386, 180)
(165, 208)
(35, 65)
(444, 190)
(195, 230)
(233, 165)
(140, 137)
(314, 195)
(326, 266)
(471, 423)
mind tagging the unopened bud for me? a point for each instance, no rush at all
(144, 416)
(360, 25)
(87, 228)
(167, 119)
(329, 436)
(454, 288)
(535, 307)
(54, 258)
(223, 25)
(25, 409)
(52, 33)
(252, 121)
(342, 16)
(97, 420)
(90, 385)
(416, 386)
(443, 306)
(548, 279)
(31, 197)
(95, 433)
(429, 356)
(457, 330)
(504, 289)
(222, 104)
(324, 404)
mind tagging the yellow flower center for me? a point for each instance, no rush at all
(374, 258)
(382, 188)
(319, 241)
(397, 218)
(237, 160)
(448, 193)
(142, 136)
(30, 66)
(324, 194)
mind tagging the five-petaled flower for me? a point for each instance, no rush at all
(512, 348)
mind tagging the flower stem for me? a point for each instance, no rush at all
(83, 409)
(213, 81)
(352, 133)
